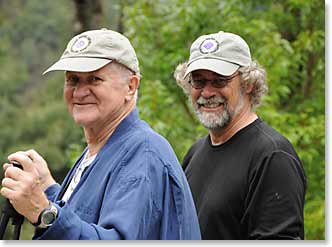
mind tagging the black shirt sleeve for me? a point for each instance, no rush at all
(274, 203)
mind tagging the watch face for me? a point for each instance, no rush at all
(48, 217)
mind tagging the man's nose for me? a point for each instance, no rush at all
(208, 90)
(81, 90)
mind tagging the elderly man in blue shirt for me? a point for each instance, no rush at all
(127, 183)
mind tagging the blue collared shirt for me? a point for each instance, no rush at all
(134, 189)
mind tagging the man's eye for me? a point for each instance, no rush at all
(95, 79)
(201, 82)
(221, 81)
(72, 81)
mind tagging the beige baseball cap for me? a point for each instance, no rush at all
(93, 49)
(221, 52)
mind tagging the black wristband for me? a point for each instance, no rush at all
(41, 213)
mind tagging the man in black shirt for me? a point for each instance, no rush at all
(246, 178)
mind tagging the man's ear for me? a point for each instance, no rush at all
(249, 88)
(132, 87)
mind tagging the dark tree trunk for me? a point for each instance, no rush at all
(88, 15)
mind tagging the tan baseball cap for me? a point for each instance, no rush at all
(93, 49)
(221, 52)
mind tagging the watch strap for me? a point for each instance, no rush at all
(39, 222)
(39, 217)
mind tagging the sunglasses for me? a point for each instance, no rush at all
(219, 82)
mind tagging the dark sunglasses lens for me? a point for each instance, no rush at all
(219, 83)
(197, 84)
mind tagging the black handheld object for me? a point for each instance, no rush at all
(16, 164)
(8, 211)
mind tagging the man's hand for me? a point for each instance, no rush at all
(25, 188)
(40, 164)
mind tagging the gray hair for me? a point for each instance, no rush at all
(124, 70)
(182, 81)
(253, 74)
(126, 73)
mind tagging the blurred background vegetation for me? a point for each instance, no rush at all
(286, 37)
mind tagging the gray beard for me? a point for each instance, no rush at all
(217, 120)
(212, 120)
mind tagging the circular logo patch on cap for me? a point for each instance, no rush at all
(81, 44)
(209, 45)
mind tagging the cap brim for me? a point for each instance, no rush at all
(78, 64)
(216, 65)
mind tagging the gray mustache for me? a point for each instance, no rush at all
(211, 100)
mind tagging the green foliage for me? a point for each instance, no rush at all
(32, 112)
(315, 210)
(284, 37)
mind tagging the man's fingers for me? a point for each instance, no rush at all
(8, 193)
(6, 165)
(9, 183)
(23, 159)
(33, 155)
(14, 173)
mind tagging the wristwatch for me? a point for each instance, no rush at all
(47, 216)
